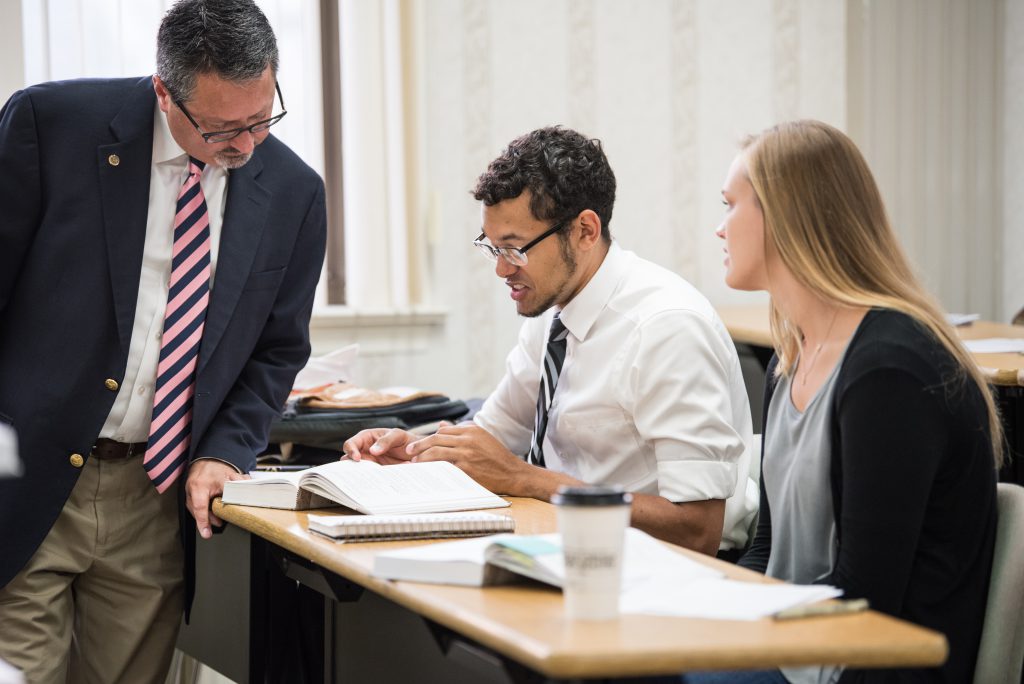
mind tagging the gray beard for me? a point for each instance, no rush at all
(232, 161)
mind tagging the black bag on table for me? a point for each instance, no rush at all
(323, 428)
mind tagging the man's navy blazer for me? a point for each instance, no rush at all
(74, 195)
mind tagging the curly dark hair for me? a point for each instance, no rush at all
(565, 172)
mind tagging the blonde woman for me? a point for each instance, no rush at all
(881, 441)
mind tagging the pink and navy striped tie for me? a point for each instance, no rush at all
(170, 431)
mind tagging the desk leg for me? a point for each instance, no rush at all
(317, 592)
(285, 628)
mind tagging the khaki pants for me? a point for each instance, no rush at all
(101, 599)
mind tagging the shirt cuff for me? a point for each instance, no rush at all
(681, 481)
(219, 460)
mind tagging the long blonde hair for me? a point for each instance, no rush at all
(824, 216)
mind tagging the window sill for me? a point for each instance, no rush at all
(327, 318)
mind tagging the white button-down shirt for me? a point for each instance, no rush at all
(128, 420)
(651, 396)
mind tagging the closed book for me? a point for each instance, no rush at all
(367, 487)
(458, 562)
(498, 559)
(416, 526)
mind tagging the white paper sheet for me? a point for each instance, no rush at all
(719, 598)
(995, 345)
(337, 366)
(958, 319)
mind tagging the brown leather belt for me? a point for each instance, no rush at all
(109, 450)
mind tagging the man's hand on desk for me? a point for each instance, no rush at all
(206, 478)
(386, 446)
(487, 461)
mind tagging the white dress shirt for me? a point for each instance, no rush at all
(651, 396)
(128, 420)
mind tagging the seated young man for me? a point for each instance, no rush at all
(623, 373)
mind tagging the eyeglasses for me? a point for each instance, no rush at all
(224, 136)
(516, 255)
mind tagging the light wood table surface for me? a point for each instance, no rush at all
(749, 325)
(525, 622)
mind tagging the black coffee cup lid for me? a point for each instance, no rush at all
(591, 496)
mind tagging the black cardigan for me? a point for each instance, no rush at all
(913, 489)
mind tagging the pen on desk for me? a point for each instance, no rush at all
(815, 609)
(280, 468)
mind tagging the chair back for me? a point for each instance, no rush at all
(1001, 653)
(753, 492)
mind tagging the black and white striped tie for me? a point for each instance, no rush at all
(554, 357)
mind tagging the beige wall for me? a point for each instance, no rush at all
(1013, 159)
(926, 98)
(12, 54)
(670, 86)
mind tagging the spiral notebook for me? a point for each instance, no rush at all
(418, 526)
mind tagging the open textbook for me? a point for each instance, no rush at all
(655, 579)
(367, 487)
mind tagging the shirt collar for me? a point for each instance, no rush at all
(165, 148)
(579, 314)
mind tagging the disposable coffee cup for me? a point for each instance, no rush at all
(592, 522)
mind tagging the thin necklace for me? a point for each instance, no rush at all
(817, 348)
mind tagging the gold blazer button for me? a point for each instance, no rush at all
(113, 160)
(111, 384)
(77, 460)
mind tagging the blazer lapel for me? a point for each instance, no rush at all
(124, 170)
(244, 218)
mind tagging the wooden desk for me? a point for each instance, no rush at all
(1006, 370)
(749, 325)
(525, 623)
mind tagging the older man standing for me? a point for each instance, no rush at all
(159, 251)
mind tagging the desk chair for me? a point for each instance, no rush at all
(1001, 653)
(754, 485)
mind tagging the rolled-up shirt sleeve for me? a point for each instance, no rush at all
(677, 388)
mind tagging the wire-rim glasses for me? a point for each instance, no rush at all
(516, 255)
(224, 136)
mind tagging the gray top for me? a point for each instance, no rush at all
(797, 458)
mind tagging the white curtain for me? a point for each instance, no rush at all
(384, 212)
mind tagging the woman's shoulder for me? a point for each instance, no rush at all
(889, 340)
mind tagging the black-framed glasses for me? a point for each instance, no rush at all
(516, 255)
(224, 136)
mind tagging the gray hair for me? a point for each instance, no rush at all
(229, 38)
